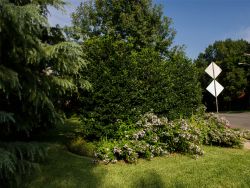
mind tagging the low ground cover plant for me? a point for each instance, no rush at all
(156, 136)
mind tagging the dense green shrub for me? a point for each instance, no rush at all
(133, 68)
(133, 83)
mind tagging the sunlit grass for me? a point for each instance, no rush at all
(219, 167)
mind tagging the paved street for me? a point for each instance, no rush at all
(238, 120)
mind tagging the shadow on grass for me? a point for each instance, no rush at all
(63, 169)
(58, 135)
(150, 179)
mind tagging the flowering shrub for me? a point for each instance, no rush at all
(151, 136)
(218, 132)
(128, 150)
(245, 133)
(155, 136)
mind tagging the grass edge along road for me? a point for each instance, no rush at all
(219, 167)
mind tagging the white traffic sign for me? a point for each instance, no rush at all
(213, 70)
(215, 88)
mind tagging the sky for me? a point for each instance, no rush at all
(198, 23)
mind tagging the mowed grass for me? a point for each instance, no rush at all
(219, 167)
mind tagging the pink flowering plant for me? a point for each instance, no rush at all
(215, 130)
(156, 136)
(151, 136)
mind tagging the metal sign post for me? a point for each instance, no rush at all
(216, 100)
(214, 87)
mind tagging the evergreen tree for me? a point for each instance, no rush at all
(37, 70)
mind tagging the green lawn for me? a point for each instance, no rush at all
(219, 167)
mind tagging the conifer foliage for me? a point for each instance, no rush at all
(36, 76)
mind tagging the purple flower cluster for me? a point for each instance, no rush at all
(154, 136)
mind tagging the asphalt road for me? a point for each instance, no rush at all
(238, 120)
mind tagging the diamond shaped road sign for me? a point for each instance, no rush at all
(213, 70)
(213, 87)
